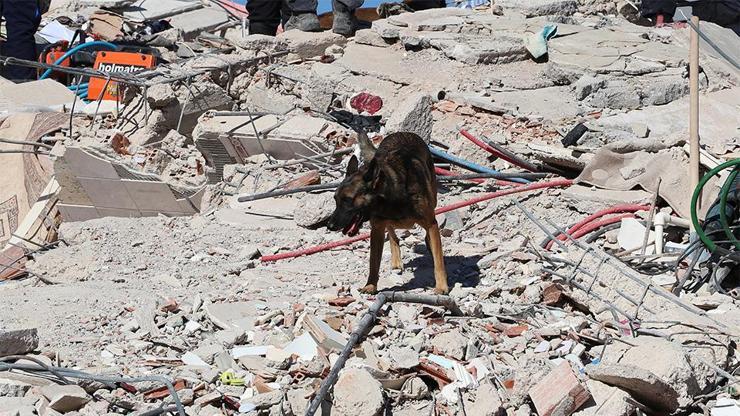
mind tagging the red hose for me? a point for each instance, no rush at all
(598, 214)
(323, 247)
(598, 224)
(493, 151)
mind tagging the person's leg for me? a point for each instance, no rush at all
(345, 22)
(264, 16)
(22, 19)
(303, 16)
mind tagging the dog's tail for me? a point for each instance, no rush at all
(367, 149)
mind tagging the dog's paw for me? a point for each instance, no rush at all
(369, 289)
(441, 290)
(397, 265)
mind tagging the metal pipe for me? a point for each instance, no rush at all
(363, 328)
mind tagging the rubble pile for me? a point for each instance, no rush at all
(168, 251)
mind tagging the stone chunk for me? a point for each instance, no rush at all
(385, 29)
(65, 398)
(357, 393)
(588, 85)
(532, 8)
(451, 344)
(559, 393)
(414, 114)
(403, 358)
(18, 342)
(314, 209)
(370, 37)
(310, 44)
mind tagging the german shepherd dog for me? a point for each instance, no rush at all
(395, 188)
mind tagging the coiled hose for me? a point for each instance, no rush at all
(729, 184)
(77, 49)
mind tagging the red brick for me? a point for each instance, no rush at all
(559, 393)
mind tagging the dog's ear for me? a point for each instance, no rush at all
(367, 150)
(374, 177)
(352, 166)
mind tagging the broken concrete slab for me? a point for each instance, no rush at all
(94, 186)
(310, 44)
(580, 195)
(65, 398)
(370, 37)
(35, 96)
(150, 10)
(607, 401)
(642, 384)
(532, 8)
(192, 23)
(357, 393)
(18, 342)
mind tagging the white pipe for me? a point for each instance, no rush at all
(660, 221)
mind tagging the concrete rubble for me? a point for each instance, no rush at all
(167, 253)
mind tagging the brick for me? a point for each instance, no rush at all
(559, 393)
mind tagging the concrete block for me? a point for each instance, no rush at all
(310, 44)
(65, 398)
(414, 114)
(559, 393)
(357, 393)
(18, 342)
(370, 37)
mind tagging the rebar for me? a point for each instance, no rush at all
(363, 328)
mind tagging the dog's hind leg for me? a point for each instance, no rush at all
(435, 245)
(396, 262)
(377, 239)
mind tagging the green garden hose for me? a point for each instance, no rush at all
(711, 245)
(723, 203)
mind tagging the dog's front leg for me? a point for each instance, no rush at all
(435, 245)
(377, 238)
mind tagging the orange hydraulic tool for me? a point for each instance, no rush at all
(121, 62)
(50, 55)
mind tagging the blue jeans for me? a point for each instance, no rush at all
(22, 18)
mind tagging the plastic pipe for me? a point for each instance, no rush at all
(598, 214)
(76, 87)
(467, 164)
(661, 220)
(75, 50)
(441, 210)
(505, 155)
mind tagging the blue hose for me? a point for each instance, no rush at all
(75, 50)
(468, 164)
(78, 87)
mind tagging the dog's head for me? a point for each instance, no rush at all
(355, 197)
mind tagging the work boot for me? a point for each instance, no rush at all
(345, 22)
(305, 22)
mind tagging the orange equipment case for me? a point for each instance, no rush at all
(126, 62)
